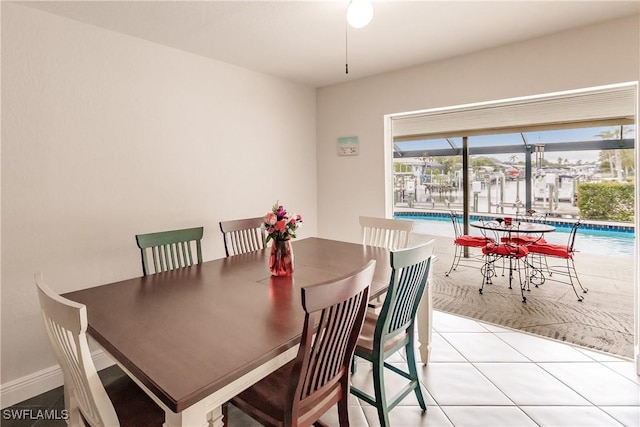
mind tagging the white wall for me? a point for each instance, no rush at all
(353, 186)
(106, 136)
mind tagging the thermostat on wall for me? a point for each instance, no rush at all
(348, 146)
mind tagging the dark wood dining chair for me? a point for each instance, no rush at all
(243, 235)
(301, 391)
(171, 249)
(393, 329)
(85, 397)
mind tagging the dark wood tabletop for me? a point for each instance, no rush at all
(189, 332)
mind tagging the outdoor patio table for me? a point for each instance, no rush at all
(508, 231)
(196, 336)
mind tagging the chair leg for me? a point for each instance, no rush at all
(511, 269)
(488, 271)
(413, 371)
(523, 285)
(537, 274)
(343, 407)
(380, 395)
(571, 269)
(73, 410)
(456, 259)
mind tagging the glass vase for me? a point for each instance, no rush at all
(281, 260)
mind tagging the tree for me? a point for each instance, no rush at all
(402, 167)
(615, 158)
(483, 161)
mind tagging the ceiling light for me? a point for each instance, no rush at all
(359, 13)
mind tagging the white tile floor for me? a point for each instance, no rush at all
(483, 375)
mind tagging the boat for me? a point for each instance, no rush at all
(560, 187)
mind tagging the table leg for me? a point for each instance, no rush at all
(215, 417)
(425, 321)
(194, 416)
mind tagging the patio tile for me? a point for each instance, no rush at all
(626, 415)
(442, 351)
(484, 347)
(542, 350)
(495, 416)
(528, 384)
(595, 383)
(444, 322)
(569, 416)
(461, 384)
(406, 416)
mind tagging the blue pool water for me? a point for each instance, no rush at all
(588, 240)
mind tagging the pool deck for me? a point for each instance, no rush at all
(603, 321)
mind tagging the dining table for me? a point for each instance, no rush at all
(194, 337)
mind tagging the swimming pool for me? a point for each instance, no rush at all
(588, 240)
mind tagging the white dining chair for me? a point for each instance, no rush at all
(85, 397)
(385, 233)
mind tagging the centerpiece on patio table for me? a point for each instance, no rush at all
(281, 228)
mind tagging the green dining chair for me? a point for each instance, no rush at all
(170, 249)
(394, 329)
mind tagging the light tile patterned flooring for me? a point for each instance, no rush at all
(482, 375)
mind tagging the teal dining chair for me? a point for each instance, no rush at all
(393, 329)
(170, 249)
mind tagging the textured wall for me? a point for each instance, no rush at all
(106, 136)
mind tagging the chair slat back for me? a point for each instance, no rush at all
(170, 249)
(243, 235)
(322, 364)
(66, 324)
(410, 270)
(385, 233)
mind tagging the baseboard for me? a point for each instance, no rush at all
(42, 381)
